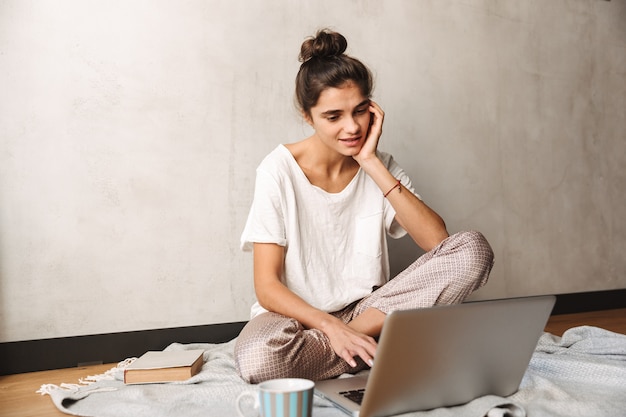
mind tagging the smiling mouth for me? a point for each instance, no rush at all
(351, 141)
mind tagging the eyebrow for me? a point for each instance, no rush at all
(335, 112)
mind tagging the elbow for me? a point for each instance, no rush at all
(266, 295)
(262, 299)
(435, 237)
(434, 242)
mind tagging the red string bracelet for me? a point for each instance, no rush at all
(393, 188)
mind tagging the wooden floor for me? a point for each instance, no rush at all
(614, 320)
(18, 397)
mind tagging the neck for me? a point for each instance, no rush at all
(323, 167)
(326, 160)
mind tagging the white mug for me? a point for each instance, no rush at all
(288, 397)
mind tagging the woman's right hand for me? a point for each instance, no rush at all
(349, 343)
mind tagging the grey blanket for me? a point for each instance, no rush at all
(581, 374)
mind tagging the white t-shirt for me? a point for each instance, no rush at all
(335, 244)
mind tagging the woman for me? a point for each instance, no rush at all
(317, 226)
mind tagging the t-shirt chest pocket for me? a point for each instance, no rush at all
(369, 234)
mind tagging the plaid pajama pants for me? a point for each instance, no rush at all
(274, 346)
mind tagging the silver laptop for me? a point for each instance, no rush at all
(444, 356)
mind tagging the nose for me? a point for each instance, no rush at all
(351, 126)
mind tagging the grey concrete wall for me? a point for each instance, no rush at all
(130, 132)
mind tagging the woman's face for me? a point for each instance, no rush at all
(341, 118)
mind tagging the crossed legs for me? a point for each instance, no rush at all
(275, 346)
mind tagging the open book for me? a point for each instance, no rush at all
(164, 366)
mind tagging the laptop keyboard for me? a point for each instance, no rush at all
(354, 395)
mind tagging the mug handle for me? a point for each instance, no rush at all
(241, 397)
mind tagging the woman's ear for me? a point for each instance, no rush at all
(307, 118)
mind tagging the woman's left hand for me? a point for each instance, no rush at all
(368, 150)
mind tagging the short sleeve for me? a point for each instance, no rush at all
(265, 222)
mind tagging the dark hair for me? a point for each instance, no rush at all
(325, 65)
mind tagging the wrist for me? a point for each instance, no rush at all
(327, 322)
(397, 185)
(370, 163)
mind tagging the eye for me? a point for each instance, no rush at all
(332, 118)
(361, 110)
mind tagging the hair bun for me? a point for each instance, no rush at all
(324, 44)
